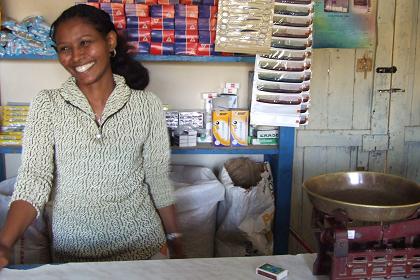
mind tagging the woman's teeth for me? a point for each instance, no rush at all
(84, 68)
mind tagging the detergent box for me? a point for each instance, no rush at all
(221, 133)
(239, 127)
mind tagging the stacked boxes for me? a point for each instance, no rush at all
(13, 119)
(165, 27)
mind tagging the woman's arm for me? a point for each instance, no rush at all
(173, 237)
(21, 214)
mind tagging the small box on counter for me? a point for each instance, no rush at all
(185, 48)
(205, 49)
(186, 36)
(221, 130)
(239, 120)
(136, 10)
(113, 9)
(161, 48)
(139, 47)
(182, 23)
(163, 36)
(138, 35)
(162, 23)
(207, 37)
(207, 24)
(205, 11)
(271, 271)
(185, 138)
(142, 23)
(186, 11)
(147, 2)
(162, 11)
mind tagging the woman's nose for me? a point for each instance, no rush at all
(77, 54)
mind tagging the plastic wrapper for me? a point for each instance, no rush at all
(244, 26)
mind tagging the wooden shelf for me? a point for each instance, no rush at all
(174, 58)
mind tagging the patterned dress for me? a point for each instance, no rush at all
(105, 180)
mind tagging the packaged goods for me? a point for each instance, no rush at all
(221, 131)
(239, 127)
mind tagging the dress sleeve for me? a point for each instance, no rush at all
(35, 174)
(156, 155)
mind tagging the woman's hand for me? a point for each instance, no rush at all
(4, 256)
(176, 249)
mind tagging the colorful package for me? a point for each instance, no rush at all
(187, 11)
(207, 24)
(186, 36)
(185, 48)
(138, 35)
(162, 11)
(183, 23)
(161, 48)
(205, 49)
(142, 23)
(207, 37)
(113, 9)
(163, 36)
(139, 10)
(162, 23)
(205, 11)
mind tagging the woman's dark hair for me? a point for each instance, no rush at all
(135, 74)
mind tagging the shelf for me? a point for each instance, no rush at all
(200, 149)
(210, 149)
(178, 58)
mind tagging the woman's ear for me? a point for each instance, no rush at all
(111, 39)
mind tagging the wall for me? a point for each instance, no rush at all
(178, 84)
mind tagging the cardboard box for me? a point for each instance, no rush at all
(239, 120)
(221, 129)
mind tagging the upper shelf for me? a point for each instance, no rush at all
(148, 57)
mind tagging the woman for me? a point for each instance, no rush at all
(98, 149)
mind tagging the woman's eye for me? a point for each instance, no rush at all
(63, 49)
(84, 43)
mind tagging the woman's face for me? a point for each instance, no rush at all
(84, 52)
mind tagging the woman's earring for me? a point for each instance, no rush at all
(113, 53)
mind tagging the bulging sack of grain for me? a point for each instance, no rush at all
(197, 193)
(245, 217)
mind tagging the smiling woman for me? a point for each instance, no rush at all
(98, 149)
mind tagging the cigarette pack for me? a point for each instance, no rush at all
(148, 2)
(137, 10)
(186, 36)
(271, 271)
(190, 2)
(139, 47)
(159, 23)
(210, 2)
(142, 23)
(119, 22)
(123, 1)
(186, 11)
(138, 35)
(162, 11)
(207, 24)
(161, 48)
(113, 9)
(183, 23)
(185, 48)
(205, 49)
(162, 36)
(205, 11)
(207, 37)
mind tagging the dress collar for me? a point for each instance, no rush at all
(118, 98)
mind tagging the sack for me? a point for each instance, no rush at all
(33, 247)
(245, 218)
